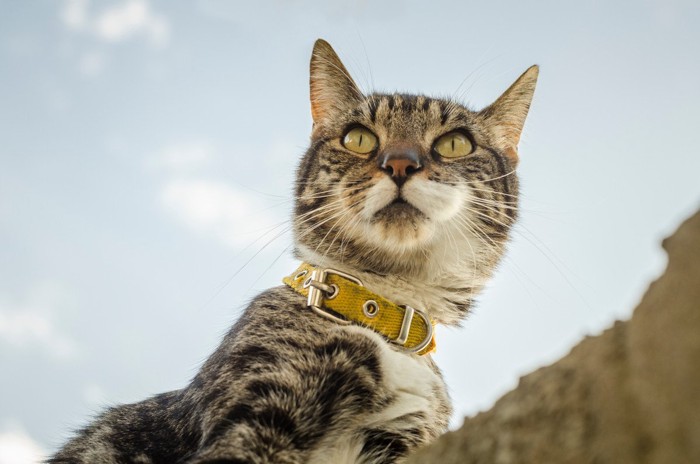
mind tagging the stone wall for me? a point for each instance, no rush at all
(630, 395)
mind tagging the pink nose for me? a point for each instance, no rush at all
(399, 163)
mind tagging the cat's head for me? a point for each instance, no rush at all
(407, 184)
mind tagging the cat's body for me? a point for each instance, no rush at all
(285, 386)
(418, 221)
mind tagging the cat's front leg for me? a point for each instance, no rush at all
(393, 444)
(301, 402)
(246, 453)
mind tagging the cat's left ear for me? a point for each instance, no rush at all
(506, 116)
(332, 88)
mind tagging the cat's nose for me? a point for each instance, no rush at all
(400, 163)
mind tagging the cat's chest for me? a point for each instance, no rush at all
(415, 398)
(413, 384)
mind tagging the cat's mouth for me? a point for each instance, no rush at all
(400, 202)
(399, 210)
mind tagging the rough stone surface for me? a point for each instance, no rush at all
(630, 395)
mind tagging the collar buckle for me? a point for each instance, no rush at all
(408, 314)
(320, 290)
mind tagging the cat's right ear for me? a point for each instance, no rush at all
(332, 88)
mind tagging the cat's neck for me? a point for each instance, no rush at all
(445, 296)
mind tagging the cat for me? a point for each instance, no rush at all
(400, 200)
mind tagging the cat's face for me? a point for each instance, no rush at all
(406, 184)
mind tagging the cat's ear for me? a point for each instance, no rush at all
(332, 88)
(506, 116)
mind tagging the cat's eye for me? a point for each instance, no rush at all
(453, 145)
(360, 140)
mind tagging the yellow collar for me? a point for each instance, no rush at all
(342, 298)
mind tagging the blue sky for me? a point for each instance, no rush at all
(147, 150)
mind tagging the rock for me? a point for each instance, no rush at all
(630, 395)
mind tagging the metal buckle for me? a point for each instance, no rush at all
(318, 288)
(406, 328)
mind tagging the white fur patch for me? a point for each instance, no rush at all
(341, 450)
(407, 376)
(383, 192)
(440, 204)
(438, 201)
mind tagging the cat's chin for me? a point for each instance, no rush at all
(399, 226)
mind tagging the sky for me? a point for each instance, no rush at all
(148, 148)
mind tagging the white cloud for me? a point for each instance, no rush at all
(129, 19)
(234, 217)
(120, 22)
(238, 217)
(30, 323)
(74, 13)
(16, 447)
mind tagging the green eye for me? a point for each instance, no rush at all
(360, 140)
(453, 145)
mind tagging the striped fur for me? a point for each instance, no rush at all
(288, 386)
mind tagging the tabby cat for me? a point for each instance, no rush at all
(405, 198)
